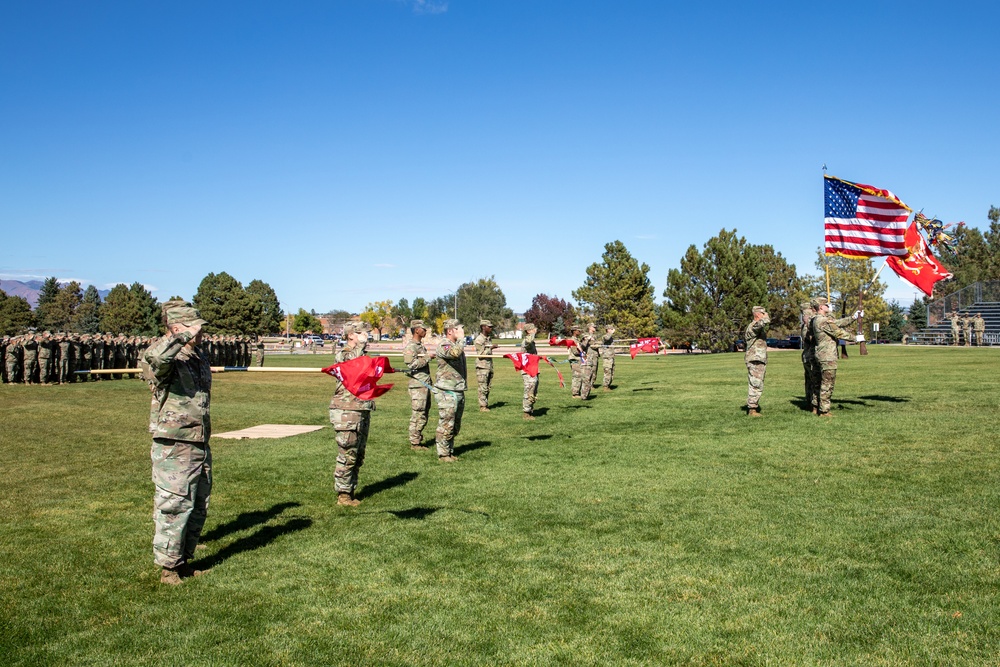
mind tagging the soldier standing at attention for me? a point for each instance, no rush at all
(608, 356)
(967, 321)
(588, 369)
(451, 385)
(809, 353)
(484, 366)
(826, 332)
(180, 378)
(350, 417)
(575, 360)
(416, 359)
(756, 358)
(980, 325)
(530, 383)
(956, 323)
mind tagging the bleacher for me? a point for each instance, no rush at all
(981, 297)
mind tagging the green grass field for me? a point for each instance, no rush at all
(652, 525)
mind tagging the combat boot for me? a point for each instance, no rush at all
(815, 411)
(753, 412)
(483, 409)
(826, 414)
(450, 458)
(528, 417)
(418, 448)
(347, 500)
(187, 570)
(171, 576)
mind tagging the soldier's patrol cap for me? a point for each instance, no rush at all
(355, 328)
(530, 327)
(807, 305)
(417, 324)
(820, 301)
(485, 323)
(182, 312)
(575, 327)
(451, 324)
(759, 309)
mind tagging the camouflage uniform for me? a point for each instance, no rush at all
(809, 353)
(980, 326)
(97, 357)
(181, 382)
(350, 417)
(45, 349)
(756, 358)
(608, 356)
(29, 368)
(416, 359)
(3, 355)
(575, 354)
(588, 369)
(86, 358)
(956, 323)
(12, 360)
(484, 367)
(967, 323)
(260, 352)
(451, 384)
(530, 383)
(826, 331)
(65, 353)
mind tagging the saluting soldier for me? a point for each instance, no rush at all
(808, 312)
(29, 349)
(46, 346)
(980, 326)
(12, 359)
(967, 323)
(451, 383)
(484, 366)
(418, 362)
(608, 356)
(65, 350)
(260, 350)
(755, 358)
(827, 331)
(575, 358)
(956, 323)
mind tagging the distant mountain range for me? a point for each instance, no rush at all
(29, 290)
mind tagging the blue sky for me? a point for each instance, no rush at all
(348, 151)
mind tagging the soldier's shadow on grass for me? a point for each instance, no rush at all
(533, 438)
(801, 404)
(498, 404)
(261, 538)
(644, 389)
(472, 446)
(538, 412)
(246, 520)
(887, 399)
(421, 513)
(577, 407)
(386, 484)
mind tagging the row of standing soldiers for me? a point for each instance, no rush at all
(968, 324)
(233, 350)
(55, 358)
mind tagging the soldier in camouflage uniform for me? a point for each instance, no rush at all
(588, 368)
(451, 385)
(484, 367)
(808, 353)
(86, 357)
(46, 346)
(967, 323)
(756, 358)
(416, 360)
(350, 417)
(980, 326)
(956, 323)
(29, 349)
(12, 359)
(608, 356)
(575, 355)
(260, 351)
(826, 331)
(180, 378)
(65, 352)
(97, 356)
(530, 383)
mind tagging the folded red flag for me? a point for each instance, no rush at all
(529, 364)
(565, 342)
(360, 375)
(644, 345)
(919, 267)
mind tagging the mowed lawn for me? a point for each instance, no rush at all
(653, 525)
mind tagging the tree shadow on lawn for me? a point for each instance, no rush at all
(577, 407)
(644, 389)
(538, 437)
(472, 446)
(246, 520)
(261, 538)
(386, 484)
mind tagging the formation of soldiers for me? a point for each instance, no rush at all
(54, 358)
(967, 325)
(49, 358)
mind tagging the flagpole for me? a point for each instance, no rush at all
(872, 283)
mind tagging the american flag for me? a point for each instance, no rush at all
(862, 221)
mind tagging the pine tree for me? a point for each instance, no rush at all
(15, 315)
(131, 311)
(61, 311)
(88, 314)
(46, 303)
(222, 302)
(266, 316)
(483, 300)
(617, 291)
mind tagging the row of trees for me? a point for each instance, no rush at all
(133, 310)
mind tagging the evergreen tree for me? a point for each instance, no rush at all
(305, 322)
(263, 305)
(403, 312)
(61, 311)
(116, 311)
(419, 309)
(918, 314)
(46, 303)
(222, 302)
(617, 291)
(15, 315)
(483, 300)
(896, 325)
(88, 313)
(131, 311)
(148, 315)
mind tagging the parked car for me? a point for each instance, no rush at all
(317, 341)
(796, 342)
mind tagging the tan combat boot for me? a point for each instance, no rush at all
(528, 416)
(483, 409)
(826, 414)
(347, 500)
(418, 448)
(753, 412)
(448, 459)
(171, 577)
